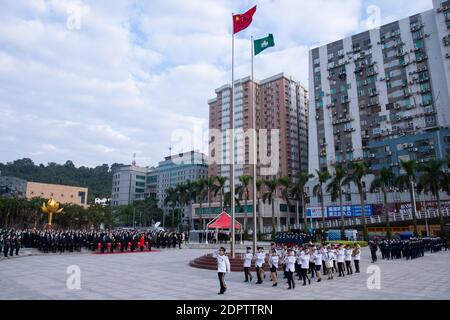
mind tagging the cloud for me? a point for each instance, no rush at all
(136, 72)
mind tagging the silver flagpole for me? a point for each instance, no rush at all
(232, 147)
(255, 157)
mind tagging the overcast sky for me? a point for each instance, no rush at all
(96, 81)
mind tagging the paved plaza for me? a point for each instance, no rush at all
(167, 275)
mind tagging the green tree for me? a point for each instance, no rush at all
(323, 177)
(269, 196)
(334, 188)
(302, 179)
(359, 171)
(220, 188)
(245, 182)
(285, 184)
(433, 179)
(407, 181)
(382, 182)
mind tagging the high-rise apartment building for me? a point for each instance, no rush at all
(383, 95)
(281, 103)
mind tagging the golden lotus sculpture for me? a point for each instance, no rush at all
(52, 207)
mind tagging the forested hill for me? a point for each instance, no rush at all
(98, 179)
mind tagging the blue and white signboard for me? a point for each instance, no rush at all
(315, 212)
(350, 211)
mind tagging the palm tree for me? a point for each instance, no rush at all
(286, 184)
(171, 199)
(323, 176)
(220, 188)
(335, 190)
(269, 196)
(434, 179)
(299, 192)
(245, 182)
(201, 191)
(407, 182)
(384, 180)
(210, 187)
(259, 184)
(359, 170)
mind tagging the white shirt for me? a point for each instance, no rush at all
(299, 260)
(317, 259)
(260, 257)
(290, 263)
(329, 256)
(305, 261)
(357, 256)
(340, 255)
(248, 260)
(333, 252)
(324, 252)
(223, 263)
(348, 254)
(273, 260)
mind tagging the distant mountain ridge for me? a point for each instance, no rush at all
(98, 179)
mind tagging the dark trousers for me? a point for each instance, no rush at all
(348, 266)
(291, 282)
(258, 274)
(298, 269)
(341, 269)
(5, 251)
(248, 275)
(374, 255)
(312, 269)
(305, 275)
(356, 265)
(223, 286)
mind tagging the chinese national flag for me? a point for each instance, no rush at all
(242, 21)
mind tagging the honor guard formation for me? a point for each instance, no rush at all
(307, 261)
(59, 241)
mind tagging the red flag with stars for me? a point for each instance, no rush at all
(242, 21)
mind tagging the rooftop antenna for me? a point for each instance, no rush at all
(134, 159)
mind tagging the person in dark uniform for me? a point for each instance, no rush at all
(17, 244)
(373, 250)
(6, 244)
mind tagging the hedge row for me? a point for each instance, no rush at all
(351, 243)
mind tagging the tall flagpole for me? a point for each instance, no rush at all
(255, 157)
(232, 146)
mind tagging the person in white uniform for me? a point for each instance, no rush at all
(248, 256)
(273, 261)
(223, 267)
(340, 254)
(318, 263)
(348, 260)
(290, 268)
(260, 259)
(356, 257)
(329, 263)
(305, 256)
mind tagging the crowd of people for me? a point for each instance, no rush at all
(291, 239)
(406, 249)
(60, 241)
(307, 261)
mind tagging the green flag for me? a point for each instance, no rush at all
(263, 44)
